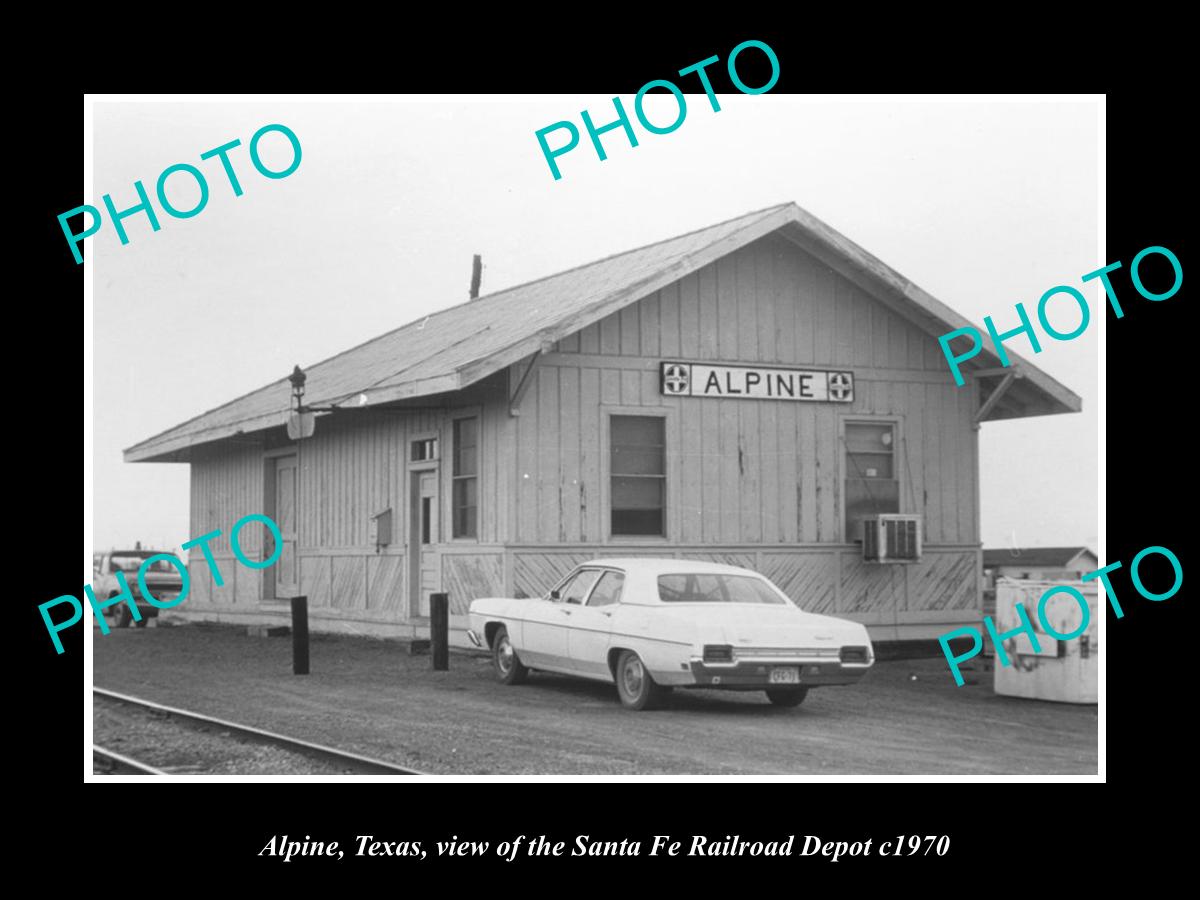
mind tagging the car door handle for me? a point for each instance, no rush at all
(606, 614)
(566, 612)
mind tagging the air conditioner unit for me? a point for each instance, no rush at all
(892, 539)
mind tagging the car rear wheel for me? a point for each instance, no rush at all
(635, 687)
(787, 696)
(508, 666)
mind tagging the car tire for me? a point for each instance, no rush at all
(509, 668)
(787, 696)
(635, 687)
(121, 615)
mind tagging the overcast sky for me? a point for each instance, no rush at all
(982, 204)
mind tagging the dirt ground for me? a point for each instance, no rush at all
(372, 697)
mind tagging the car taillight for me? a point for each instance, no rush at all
(718, 653)
(854, 654)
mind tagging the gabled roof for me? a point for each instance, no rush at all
(1033, 557)
(458, 346)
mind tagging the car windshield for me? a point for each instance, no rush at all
(699, 587)
(132, 562)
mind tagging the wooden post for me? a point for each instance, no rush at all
(439, 630)
(299, 635)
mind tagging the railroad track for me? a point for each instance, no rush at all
(351, 763)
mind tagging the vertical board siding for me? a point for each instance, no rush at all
(746, 471)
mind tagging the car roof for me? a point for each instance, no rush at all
(663, 566)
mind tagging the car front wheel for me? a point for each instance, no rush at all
(508, 667)
(787, 696)
(635, 687)
(120, 615)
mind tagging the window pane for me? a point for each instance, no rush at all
(637, 493)
(634, 521)
(464, 522)
(869, 437)
(869, 465)
(608, 590)
(575, 590)
(637, 431)
(637, 461)
(706, 588)
(464, 502)
(465, 446)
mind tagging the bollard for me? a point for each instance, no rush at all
(299, 635)
(439, 630)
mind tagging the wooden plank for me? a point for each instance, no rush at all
(610, 335)
(861, 338)
(589, 339)
(669, 321)
(807, 496)
(710, 454)
(729, 443)
(710, 322)
(787, 481)
(631, 330)
(649, 318)
(826, 475)
(528, 441)
(727, 321)
(610, 386)
(631, 388)
(749, 464)
(549, 482)
(745, 299)
(570, 453)
(807, 578)
(843, 322)
(689, 317)
(590, 452)
(764, 301)
(784, 301)
(689, 454)
(826, 326)
(467, 577)
(385, 583)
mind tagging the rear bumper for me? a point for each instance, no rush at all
(751, 675)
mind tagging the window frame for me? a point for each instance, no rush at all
(453, 419)
(899, 464)
(670, 439)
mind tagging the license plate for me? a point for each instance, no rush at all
(784, 675)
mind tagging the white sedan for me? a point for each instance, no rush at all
(653, 624)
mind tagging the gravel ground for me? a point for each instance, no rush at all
(371, 697)
(182, 748)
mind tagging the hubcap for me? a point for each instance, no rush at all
(632, 675)
(504, 655)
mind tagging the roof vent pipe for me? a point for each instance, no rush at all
(476, 275)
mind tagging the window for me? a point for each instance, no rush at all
(872, 483)
(574, 590)
(639, 475)
(424, 449)
(465, 476)
(608, 589)
(687, 587)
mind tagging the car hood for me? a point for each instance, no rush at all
(759, 625)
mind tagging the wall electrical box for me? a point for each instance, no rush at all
(379, 532)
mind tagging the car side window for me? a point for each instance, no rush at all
(577, 588)
(608, 589)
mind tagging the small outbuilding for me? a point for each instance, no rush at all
(762, 392)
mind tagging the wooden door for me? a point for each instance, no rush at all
(287, 568)
(424, 535)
